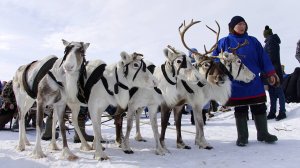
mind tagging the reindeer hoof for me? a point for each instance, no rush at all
(128, 151)
(208, 147)
(187, 147)
(37, 155)
(101, 158)
(160, 152)
(72, 158)
(20, 148)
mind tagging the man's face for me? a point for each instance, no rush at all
(240, 28)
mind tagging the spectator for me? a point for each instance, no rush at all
(275, 92)
(1, 86)
(298, 51)
(9, 106)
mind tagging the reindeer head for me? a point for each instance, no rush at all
(74, 58)
(180, 65)
(235, 66)
(213, 72)
(136, 72)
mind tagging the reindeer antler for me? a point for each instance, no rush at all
(233, 50)
(185, 28)
(216, 44)
(173, 49)
(136, 55)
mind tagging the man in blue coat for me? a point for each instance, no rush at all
(245, 95)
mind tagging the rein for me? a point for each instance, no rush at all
(55, 80)
(225, 70)
(163, 69)
(240, 68)
(118, 83)
(144, 69)
(182, 65)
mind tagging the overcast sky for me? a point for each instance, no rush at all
(33, 29)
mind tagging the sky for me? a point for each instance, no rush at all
(220, 132)
(33, 29)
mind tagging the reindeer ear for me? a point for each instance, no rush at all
(124, 56)
(167, 53)
(86, 45)
(65, 42)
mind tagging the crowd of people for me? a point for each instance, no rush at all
(263, 61)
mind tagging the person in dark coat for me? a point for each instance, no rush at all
(249, 95)
(298, 51)
(272, 47)
(9, 107)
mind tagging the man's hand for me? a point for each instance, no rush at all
(11, 106)
(274, 80)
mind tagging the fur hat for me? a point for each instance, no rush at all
(267, 31)
(236, 20)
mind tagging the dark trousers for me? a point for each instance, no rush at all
(255, 110)
(276, 93)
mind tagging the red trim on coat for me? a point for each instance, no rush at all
(249, 97)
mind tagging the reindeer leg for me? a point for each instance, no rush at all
(24, 102)
(53, 145)
(22, 131)
(153, 119)
(66, 152)
(75, 111)
(118, 124)
(165, 115)
(177, 116)
(138, 135)
(96, 122)
(199, 123)
(37, 151)
(125, 144)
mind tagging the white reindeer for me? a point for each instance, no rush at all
(218, 86)
(25, 85)
(57, 88)
(113, 89)
(176, 67)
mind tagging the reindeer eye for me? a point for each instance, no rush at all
(136, 65)
(206, 64)
(238, 61)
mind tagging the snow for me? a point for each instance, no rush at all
(33, 29)
(220, 132)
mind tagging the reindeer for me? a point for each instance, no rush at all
(58, 88)
(113, 89)
(176, 67)
(218, 86)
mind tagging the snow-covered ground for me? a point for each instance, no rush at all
(220, 131)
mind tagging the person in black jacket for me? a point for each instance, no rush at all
(9, 107)
(275, 92)
(298, 51)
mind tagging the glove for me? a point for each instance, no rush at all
(273, 80)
